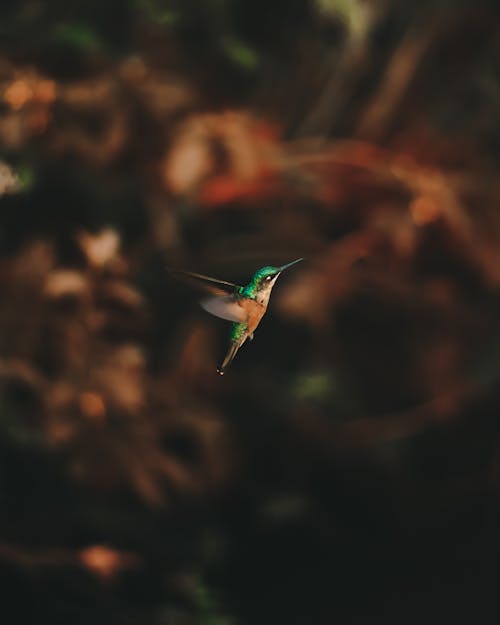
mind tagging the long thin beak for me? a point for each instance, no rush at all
(294, 262)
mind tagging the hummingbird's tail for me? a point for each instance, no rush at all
(231, 353)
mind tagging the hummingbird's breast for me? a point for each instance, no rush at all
(254, 312)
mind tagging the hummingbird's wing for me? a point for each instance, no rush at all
(225, 307)
(212, 285)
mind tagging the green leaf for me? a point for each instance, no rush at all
(26, 176)
(240, 53)
(80, 36)
(154, 11)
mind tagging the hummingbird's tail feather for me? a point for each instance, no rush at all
(231, 353)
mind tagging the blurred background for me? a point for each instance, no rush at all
(347, 467)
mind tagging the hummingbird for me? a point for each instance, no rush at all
(243, 305)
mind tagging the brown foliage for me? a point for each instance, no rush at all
(358, 427)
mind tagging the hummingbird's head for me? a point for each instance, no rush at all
(263, 281)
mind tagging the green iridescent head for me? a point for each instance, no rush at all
(266, 276)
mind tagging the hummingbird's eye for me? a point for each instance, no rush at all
(268, 278)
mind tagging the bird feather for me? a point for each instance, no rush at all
(225, 307)
(206, 283)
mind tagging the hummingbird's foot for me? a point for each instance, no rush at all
(250, 336)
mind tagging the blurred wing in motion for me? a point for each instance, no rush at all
(225, 307)
(211, 285)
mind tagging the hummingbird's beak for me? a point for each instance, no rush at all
(294, 262)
